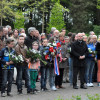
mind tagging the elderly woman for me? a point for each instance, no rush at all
(90, 62)
(62, 64)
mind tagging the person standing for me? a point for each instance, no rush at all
(90, 62)
(23, 67)
(7, 67)
(79, 51)
(98, 61)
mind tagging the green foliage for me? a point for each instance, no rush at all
(81, 14)
(56, 19)
(96, 29)
(89, 97)
(19, 21)
(98, 4)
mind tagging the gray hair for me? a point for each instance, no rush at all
(21, 29)
(53, 29)
(91, 32)
(8, 26)
(31, 29)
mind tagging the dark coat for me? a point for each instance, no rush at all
(98, 50)
(29, 40)
(79, 49)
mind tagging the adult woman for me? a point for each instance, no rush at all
(62, 64)
(90, 62)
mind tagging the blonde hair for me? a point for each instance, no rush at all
(61, 34)
(89, 38)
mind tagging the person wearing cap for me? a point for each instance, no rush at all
(7, 72)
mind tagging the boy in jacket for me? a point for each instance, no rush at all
(7, 67)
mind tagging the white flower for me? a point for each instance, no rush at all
(90, 51)
(44, 53)
(49, 44)
(52, 53)
(54, 44)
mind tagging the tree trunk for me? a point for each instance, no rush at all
(1, 21)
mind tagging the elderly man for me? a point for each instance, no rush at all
(92, 33)
(79, 51)
(9, 28)
(31, 37)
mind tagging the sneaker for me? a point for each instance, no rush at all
(88, 84)
(53, 88)
(42, 89)
(3, 95)
(99, 84)
(91, 85)
(9, 94)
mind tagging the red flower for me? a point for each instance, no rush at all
(58, 44)
(51, 49)
(46, 57)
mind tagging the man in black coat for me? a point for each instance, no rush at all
(33, 35)
(79, 51)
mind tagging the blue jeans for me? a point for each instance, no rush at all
(51, 77)
(71, 70)
(7, 76)
(20, 71)
(89, 70)
(44, 76)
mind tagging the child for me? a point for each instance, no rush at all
(44, 68)
(33, 69)
(23, 67)
(7, 67)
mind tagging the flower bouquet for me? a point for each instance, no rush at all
(91, 52)
(34, 55)
(16, 59)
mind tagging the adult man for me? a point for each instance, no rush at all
(31, 37)
(1, 46)
(9, 28)
(92, 33)
(79, 51)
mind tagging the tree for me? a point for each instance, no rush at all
(57, 19)
(5, 10)
(81, 15)
(19, 22)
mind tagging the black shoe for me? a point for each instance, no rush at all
(20, 92)
(83, 87)
(75, 87)
(46, 89)
(37, 90)
(28, 92)
(9, 94)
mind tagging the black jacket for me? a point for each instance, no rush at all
(29, 40)
(98, 50)
(79, 49)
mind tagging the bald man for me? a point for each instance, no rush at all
(79, 51)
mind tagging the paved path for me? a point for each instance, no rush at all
(53, 95)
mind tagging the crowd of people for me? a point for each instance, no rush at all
(79, 58)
